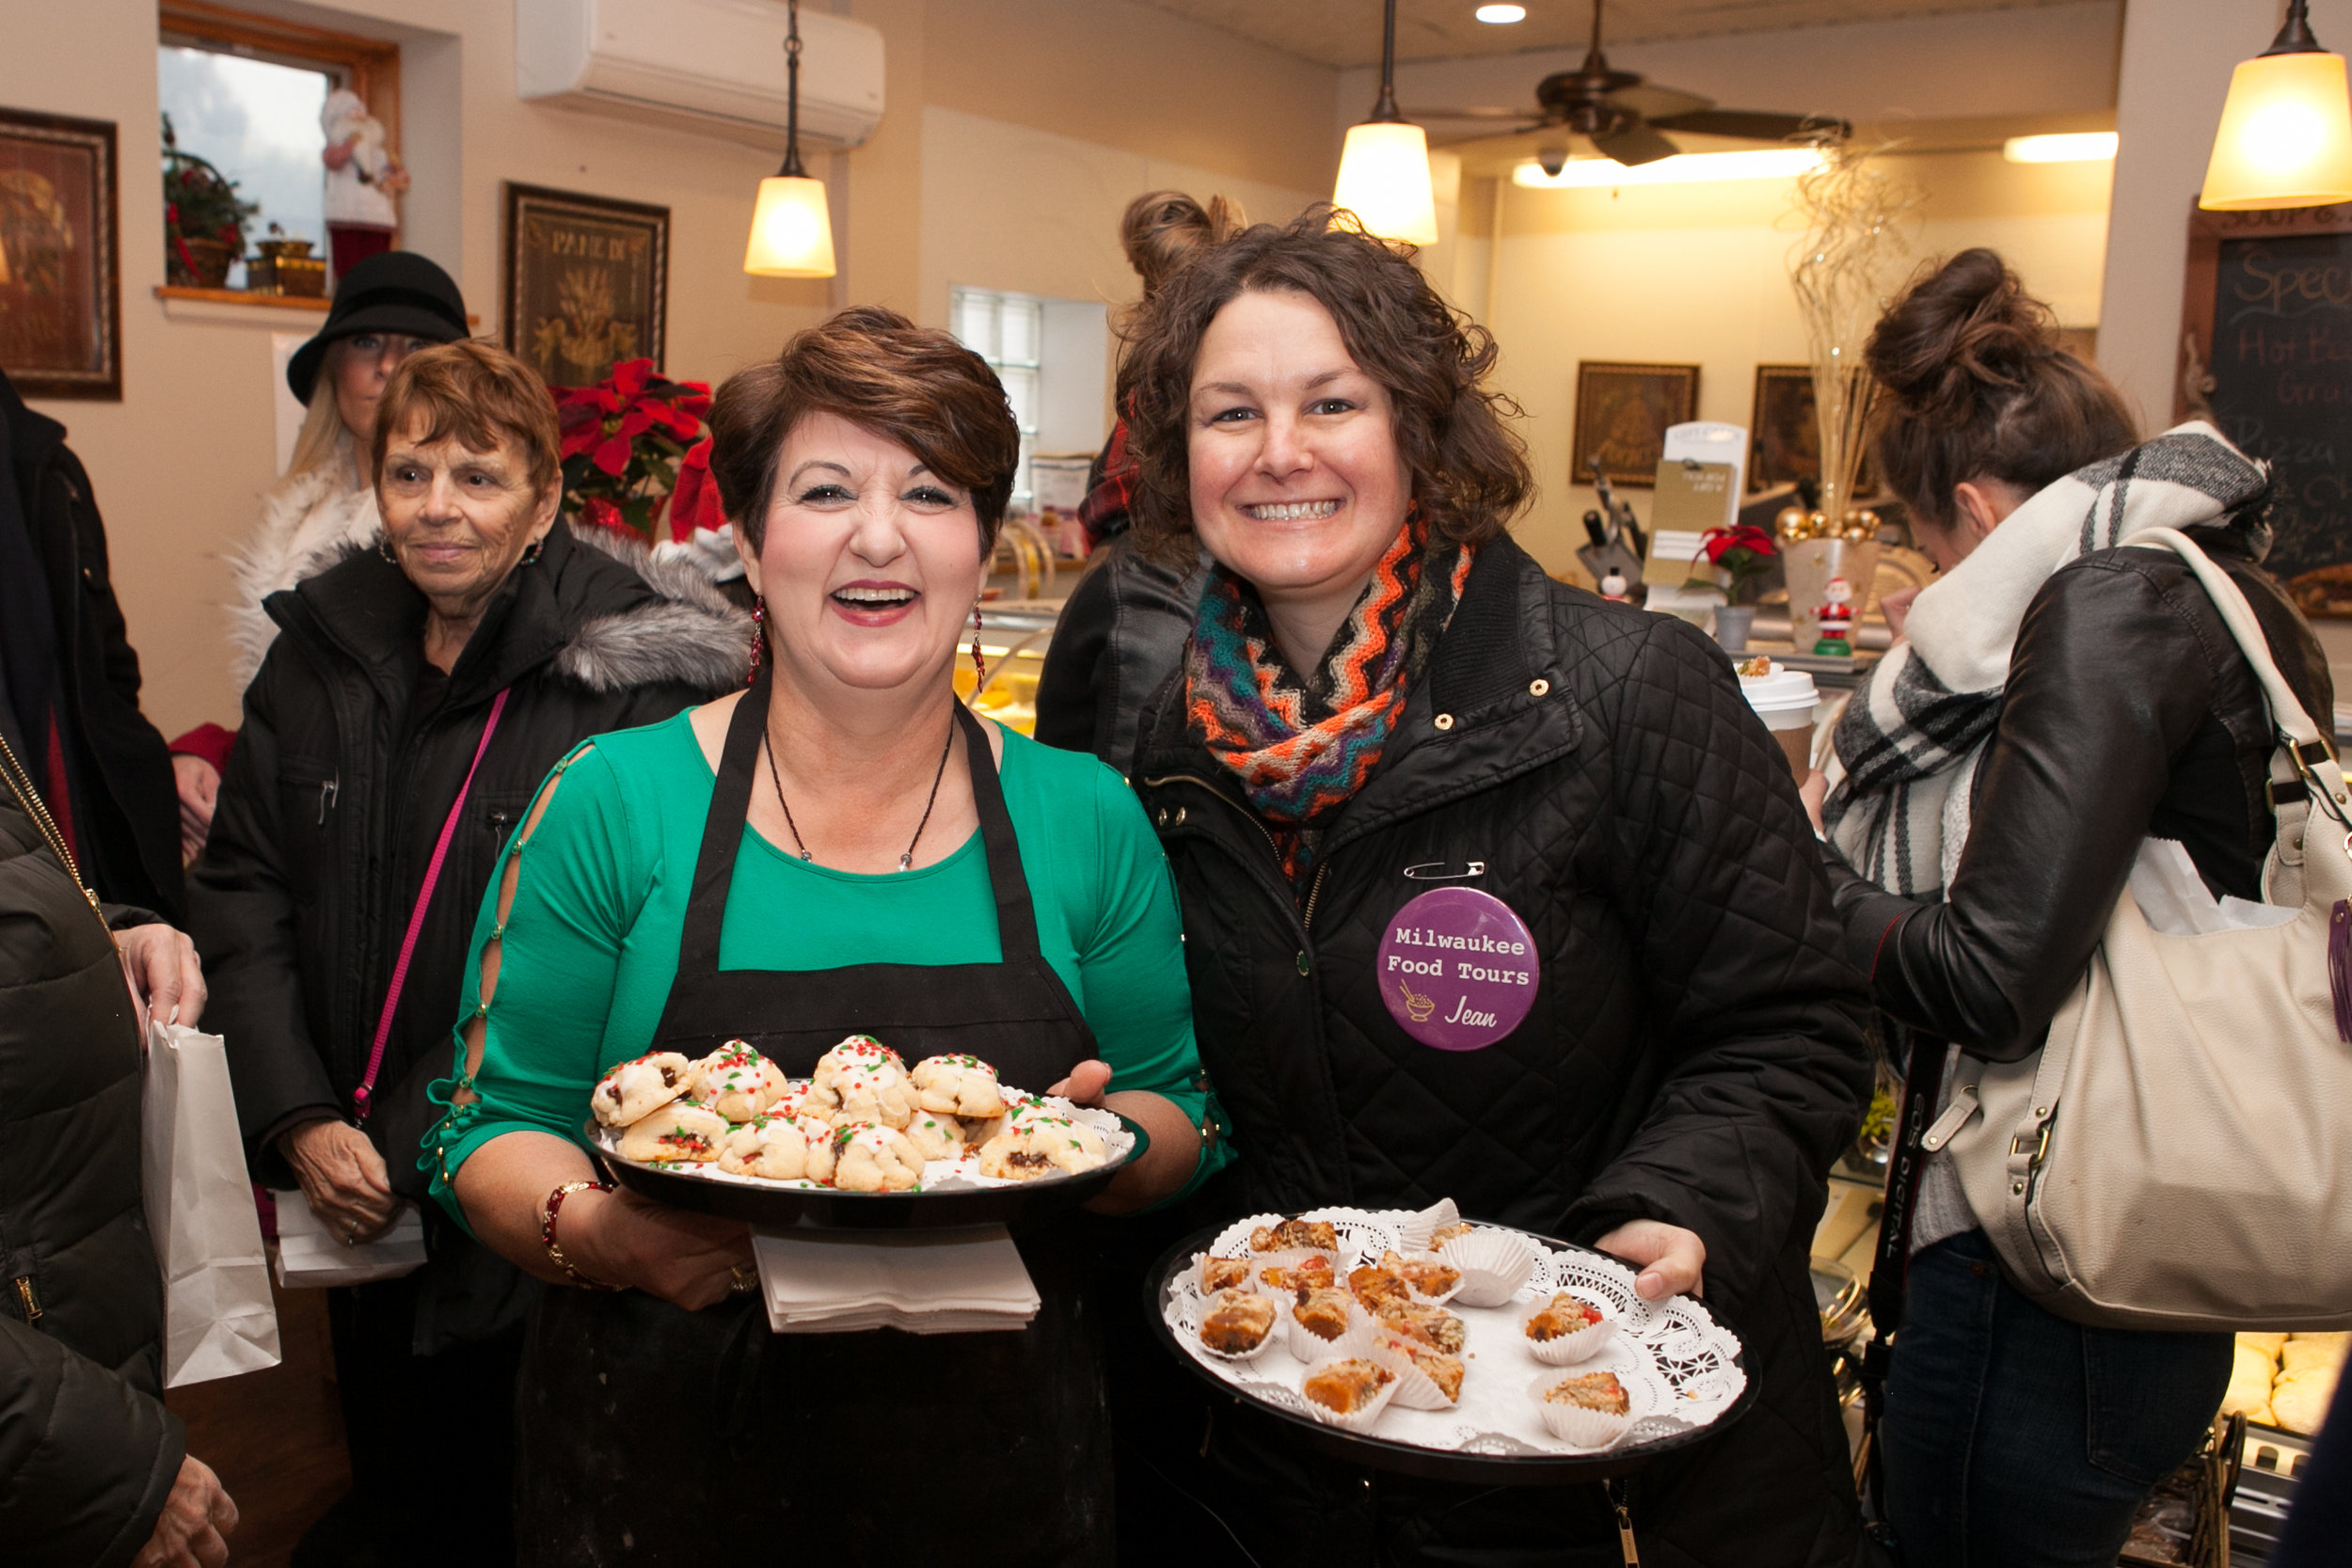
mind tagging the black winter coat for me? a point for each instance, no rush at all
(126, 804)
(2129, 713)
(1122, 631)
(87, 1451)
(333, 800)
(1695, 1052)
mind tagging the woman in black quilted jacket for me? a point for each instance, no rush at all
(1385, 696)
(2055, 701)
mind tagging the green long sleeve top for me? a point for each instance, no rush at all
(590, 941)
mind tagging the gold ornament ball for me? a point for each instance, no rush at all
(1790, 524)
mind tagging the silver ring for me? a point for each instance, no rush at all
(351, 1234)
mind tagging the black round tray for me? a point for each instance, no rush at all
(779, 1208)
(1412, 1459)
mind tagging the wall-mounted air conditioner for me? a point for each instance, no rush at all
(713, 66)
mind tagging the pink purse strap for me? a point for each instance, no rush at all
(416, 916)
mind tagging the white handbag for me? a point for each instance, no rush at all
(2178, 1155)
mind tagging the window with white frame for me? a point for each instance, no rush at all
(1008, 331)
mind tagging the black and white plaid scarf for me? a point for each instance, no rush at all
(1911, 737)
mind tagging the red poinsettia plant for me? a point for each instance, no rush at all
(627, 444)
(1744, 554)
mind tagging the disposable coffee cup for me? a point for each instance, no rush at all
(1786, 701)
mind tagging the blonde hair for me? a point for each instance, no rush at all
(324, 441)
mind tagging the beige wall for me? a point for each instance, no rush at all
(179, 463)
(1699, 275)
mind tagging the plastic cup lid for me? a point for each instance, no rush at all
(1778, 693)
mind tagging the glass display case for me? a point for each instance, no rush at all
(1013, 639)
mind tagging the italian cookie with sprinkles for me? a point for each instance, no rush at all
(1031, 1146)
(737, 1081)
(635, 1089)
(863, 1080)
(773, 1147)
(871, 1158)
(958, 1086)
(682, 1133)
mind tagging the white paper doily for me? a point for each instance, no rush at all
(962, 1174)
(1683, 1360)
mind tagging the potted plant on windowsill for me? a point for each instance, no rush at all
(1740, 558)
(203, 220)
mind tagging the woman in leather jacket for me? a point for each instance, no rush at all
(1382, 688)
(2056, 700)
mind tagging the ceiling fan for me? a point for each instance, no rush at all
(1621, 114)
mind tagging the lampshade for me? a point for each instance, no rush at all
(2285, 137)
(1384, 179)
(791, 231)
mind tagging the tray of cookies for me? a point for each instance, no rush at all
(863, 1142)
(1419, 1342)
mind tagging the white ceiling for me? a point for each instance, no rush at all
(1347, 32)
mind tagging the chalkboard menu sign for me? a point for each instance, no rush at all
(2268, 324)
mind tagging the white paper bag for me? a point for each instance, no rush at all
(218, 1317)
(311, 1256)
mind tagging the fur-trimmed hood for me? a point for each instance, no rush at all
(693, 634)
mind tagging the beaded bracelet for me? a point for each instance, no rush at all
(546, 1233)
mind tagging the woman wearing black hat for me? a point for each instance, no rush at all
(388, 307)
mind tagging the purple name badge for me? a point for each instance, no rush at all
(1457, 969)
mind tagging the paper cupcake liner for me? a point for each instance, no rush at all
(1568, 1348)
(1415, 1388)
(1359, 1421)
(1415, 1230)
(1495, 1266)
(1574, 1424)
(1308, 1346)
(1272, 1335)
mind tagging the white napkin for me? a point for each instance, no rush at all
(310, 1256)
(924, 1282)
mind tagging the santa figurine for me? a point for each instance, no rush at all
(362, 177)
(1835, 635)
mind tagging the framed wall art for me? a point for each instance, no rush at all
(584, 281)
(1785, 437)
(60, 267)
(1622, 412)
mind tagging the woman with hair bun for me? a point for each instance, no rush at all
(1125, 624)
(2056, 700)
(1386, 712)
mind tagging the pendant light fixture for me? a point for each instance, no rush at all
(2286, 131)
(791, 229)
(1383, 169)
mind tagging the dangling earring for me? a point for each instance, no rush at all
(759, 635)
(979, 665)
(531, 552)
(384, 548)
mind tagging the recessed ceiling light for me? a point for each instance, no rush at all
(1501, 13)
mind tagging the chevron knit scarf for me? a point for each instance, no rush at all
(1300, 746)
(1910, 739)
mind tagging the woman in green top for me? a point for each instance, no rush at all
(907, 871)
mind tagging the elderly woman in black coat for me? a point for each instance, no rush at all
(1384, 695)
(416, 694)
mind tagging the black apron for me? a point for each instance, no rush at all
(653, 1436)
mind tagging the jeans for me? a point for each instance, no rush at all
(2015, 1440)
